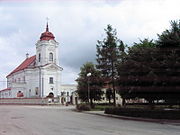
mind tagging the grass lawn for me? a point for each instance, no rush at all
(100, 107)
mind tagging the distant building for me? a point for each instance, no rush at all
(68, 93)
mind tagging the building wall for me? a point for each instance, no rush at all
(50, 87)
(67, 93)
(5, 94)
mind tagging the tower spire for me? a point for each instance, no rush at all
(47, 35)
(47, 28)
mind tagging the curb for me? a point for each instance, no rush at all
(160, 121)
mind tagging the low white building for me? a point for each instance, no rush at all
(38, 75)
(68, 93)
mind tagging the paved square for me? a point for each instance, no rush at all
(60, 120)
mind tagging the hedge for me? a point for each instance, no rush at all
(144, 113)
(83, 107)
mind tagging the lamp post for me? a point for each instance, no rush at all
(88, 75)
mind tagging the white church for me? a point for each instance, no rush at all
(38, 75)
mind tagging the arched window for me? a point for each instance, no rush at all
(50, 56)
(39, 57)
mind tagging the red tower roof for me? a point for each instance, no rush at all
(47, 35)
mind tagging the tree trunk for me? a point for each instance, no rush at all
(151, 104)
(91, 103)
(123, 102)
(113, 85)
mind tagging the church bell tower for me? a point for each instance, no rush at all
(47, 49)
(47, 63)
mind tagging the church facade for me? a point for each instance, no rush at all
(38, 75)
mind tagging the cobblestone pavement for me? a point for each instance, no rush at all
(61, 120)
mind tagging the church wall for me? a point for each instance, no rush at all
(51, 87)
(17, 83)
(33, 86)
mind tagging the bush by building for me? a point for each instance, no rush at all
(83, 107)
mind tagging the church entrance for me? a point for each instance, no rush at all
(51, 95)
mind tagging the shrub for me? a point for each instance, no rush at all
(83, 107)
(144, 113)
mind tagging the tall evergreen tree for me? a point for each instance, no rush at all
(170, 38)
(108, 55)
(136, 72)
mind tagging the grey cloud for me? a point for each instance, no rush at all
(77, 26)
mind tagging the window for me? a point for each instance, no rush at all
(51, 80)
(39, 59)
(67, 93)
(36, 90)
(50, 56)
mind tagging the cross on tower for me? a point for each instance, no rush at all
(47, 19)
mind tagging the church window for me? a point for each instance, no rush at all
(39, 59)
(50, 56)
(36, 90)
(51, 80)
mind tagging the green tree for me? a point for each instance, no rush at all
(108, 56)
(89, 87)
(169, 49)
(170, 38)
(151, 73)
(135, 71)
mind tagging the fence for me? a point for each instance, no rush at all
(28, 101)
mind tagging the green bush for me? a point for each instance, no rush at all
(83, 107)
(144, 113)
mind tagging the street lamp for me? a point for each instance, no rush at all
(88, 75)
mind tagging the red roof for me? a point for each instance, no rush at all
(6, 89)
(47, 35)
(24, 64)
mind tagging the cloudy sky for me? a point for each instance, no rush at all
(77, 25)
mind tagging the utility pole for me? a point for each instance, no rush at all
(88, 75)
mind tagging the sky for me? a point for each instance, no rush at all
(77, 25)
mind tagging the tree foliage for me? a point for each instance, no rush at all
(94, 82)
(151, 73)
(135, 72)
(170, 38)
(108, 56)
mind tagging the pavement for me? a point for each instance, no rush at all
(161, 121)
(61, 120)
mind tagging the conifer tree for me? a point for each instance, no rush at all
(108, 56)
